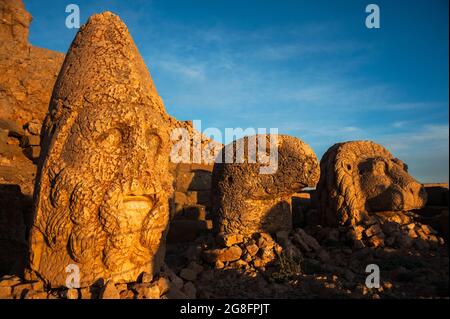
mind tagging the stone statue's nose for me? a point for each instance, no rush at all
(134, 186)
(416, 189)
(416, 195)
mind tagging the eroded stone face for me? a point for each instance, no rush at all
(362, 177)
(101, 199)
(388, 186)
(245, 201)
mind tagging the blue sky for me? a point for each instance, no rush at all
(309, 68)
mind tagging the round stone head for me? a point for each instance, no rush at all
(362, 177)
(247, 199)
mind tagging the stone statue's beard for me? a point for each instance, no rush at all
(96, 229)
(120, 248)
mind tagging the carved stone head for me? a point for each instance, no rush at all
(246, 200)
(101, 196)
(362, 177)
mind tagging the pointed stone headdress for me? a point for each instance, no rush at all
(101, 194)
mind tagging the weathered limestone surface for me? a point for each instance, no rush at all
(246, 201)
(362, 177)
(363, 187)
(103, 183)
(27, 73)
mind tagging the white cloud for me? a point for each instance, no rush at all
(424, 149)
(191, 72)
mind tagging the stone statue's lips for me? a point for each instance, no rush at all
(137, 203)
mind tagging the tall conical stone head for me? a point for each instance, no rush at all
(101, 194)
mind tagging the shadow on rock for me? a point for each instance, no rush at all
(15, 218)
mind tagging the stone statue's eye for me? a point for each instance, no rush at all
(400, 162)
(110, 139)
(379, 168)
(153, 141)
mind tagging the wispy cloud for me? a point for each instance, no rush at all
(179, 69)
(424, 149)
(298, 49)
(415, 105)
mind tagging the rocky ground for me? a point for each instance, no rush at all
(294, 265)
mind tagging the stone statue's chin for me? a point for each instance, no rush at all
(136, 208)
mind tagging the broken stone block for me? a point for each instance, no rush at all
(30, 140)
(229, 240)
(224, 254)
(266, 254)
(209, 224)
(252, 249)
(373, 230)
(264, 240)
(183, 181)
(34, 127)
(376, 240)
(180, 198)
(191, 197)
